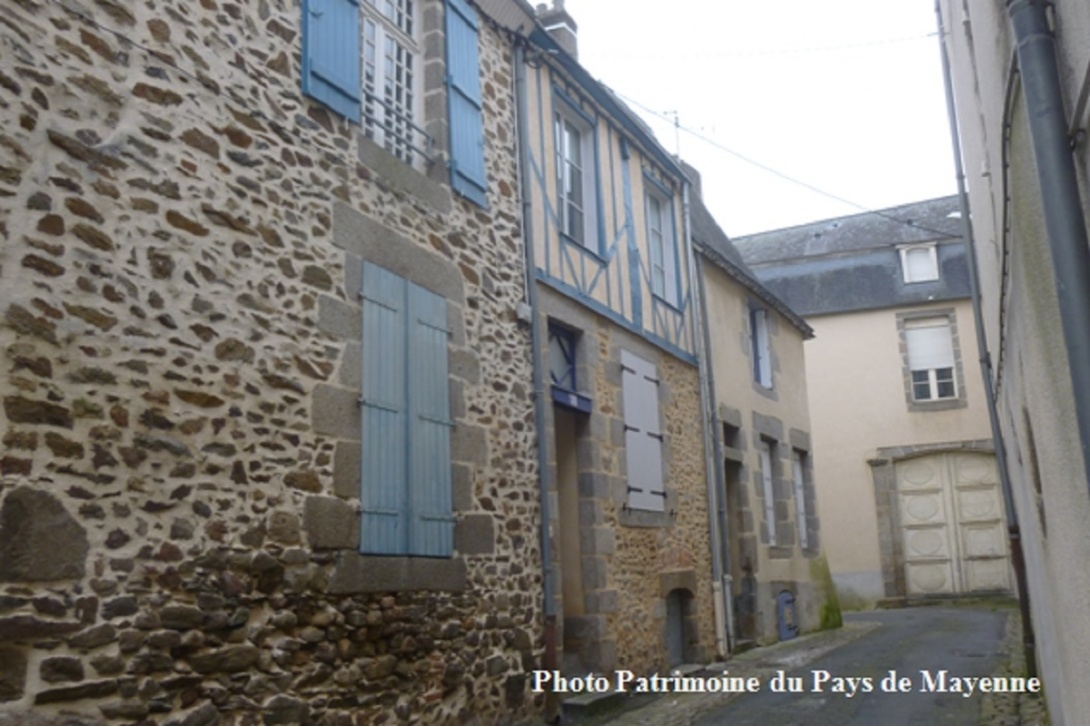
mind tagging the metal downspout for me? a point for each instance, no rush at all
(1014, 531)
(1060, 199)
(712, 453)
(550, 657)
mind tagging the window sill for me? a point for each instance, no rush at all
(358, 573)
(676, 307)
(594, 254)
(937, 405)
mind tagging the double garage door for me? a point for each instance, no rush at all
(953, 530)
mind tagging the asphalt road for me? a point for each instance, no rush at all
(964, 641)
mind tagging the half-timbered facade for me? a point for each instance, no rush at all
(628, 520)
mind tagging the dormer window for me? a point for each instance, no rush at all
(919, 263)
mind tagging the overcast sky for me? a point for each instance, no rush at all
(844, 95)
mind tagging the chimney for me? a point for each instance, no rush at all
(559, 24)
(694, 177)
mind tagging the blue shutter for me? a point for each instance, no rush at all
(331, 54)
(467, 175)
(384, 523)
(432, 525)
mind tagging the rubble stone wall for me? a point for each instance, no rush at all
(180, 348)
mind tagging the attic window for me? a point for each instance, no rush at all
(919, 263)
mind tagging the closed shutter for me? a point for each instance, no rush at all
(929, 343)
(405, 482)
(432, 526)
(384, 524)
(643, 433)
(331, 54)
(467, 175)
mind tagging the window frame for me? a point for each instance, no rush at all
(657, 194)
(567, 114)
(800, 469)
(563, 342)
(760, 346)
(932, 266)
(931, 379)
(374, 106)
(766, 453)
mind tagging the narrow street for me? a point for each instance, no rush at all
(981, 640)
(965, 642)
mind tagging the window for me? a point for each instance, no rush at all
(758, 338)
(799, 466)
(391, 67)
(405, 478)
(364, 59)
(919, 263)
(663, 252)
(765, 450)
(562, 372)
(931, 359)
(575, 178)
(642, 433)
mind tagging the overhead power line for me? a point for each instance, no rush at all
(671, 118)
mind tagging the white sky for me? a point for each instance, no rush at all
(844, 95)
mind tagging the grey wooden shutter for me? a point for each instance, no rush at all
(643, 433)
(384, 522)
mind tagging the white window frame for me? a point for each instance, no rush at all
(798, 466)
(914, 271)
(932, 371)
(392, 105)
(661, 246)
(760, 347)
(765, 451)
(566, 120)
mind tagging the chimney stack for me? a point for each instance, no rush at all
(560, 26)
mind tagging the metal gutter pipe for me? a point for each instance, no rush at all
(521, 110)
(712, 452)
(1060, 199)
(1014, 531)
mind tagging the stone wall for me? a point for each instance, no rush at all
(180, 349)
(631, 560)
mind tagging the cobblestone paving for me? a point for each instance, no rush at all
(682, 709)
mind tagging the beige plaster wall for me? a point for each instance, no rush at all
(855, 371)
(782, 413)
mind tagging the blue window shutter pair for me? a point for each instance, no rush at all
(405, 496)
(467, 175)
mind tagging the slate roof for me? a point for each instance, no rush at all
(710, 241)
(853, 263)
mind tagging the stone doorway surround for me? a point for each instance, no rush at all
(891, 521)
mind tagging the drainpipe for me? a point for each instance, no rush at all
(1014, 531)
(1060, 198)
(540, 399)
(712, 453)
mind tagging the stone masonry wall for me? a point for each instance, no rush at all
(176, 324)
(631, 560)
